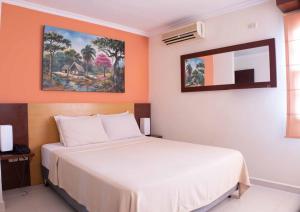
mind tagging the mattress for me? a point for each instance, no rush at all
(146, 174)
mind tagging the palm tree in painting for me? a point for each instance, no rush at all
(73, 56)
(188, 70)
(54, 42)
(88, 53)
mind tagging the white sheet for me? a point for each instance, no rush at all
(146, 175)
(47, 150)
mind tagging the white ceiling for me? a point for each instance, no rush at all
(148, 16)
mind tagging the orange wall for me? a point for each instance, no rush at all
(21, 59)
(209, 70)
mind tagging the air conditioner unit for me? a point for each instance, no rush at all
(188, 32)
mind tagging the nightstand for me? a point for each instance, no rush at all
(15, 170)
(155, 136)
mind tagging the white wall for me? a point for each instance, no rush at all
(251, 120)
(223, 68)
(259, 62)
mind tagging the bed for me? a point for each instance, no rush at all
(143, 174)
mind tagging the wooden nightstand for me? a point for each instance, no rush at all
(155, 136)
(15, 170)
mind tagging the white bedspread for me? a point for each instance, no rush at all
(146, 175)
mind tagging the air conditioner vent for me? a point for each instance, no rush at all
(192, 31)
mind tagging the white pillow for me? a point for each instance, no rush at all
(121, 127)
(115, 114)
(60, 117)
(82, 131)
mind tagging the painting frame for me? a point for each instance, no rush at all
(81, 62)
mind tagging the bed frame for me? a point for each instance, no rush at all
(80, 208)
(40, 116)
(35, 120)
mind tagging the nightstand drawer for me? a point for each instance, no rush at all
(15, 174)
(15, 170)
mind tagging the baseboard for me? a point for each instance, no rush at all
(275, 185)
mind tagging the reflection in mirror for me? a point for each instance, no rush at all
(237, 67)
(256, 59)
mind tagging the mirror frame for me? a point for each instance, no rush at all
(272, 55)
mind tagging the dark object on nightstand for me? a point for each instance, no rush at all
(21, 149)
(155, 136)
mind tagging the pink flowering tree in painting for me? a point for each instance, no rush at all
(103, 61)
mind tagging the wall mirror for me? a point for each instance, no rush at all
(248, 65)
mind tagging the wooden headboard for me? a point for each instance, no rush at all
(42, 128)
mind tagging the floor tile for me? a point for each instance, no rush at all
(261, 199)
(256, 199)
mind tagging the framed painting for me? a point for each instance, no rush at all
(194, 72)
(75, 61)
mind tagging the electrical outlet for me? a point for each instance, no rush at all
(252, 25)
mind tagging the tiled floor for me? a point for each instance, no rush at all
(256, 199)
(261, 199)
(34, 199)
